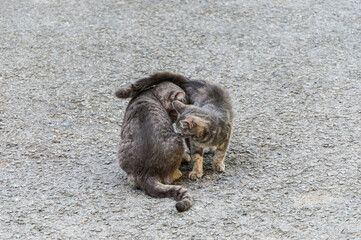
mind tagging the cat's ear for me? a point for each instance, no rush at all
(188, 123)
(179, 95)
(179, 106)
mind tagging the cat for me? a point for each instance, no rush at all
(150, 152)
(207, 121)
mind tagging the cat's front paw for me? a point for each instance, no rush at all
(219, 167)
(186, 158)
(194, 175)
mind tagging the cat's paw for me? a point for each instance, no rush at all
(219, 167)
(176, 175)
(194, 175)
(186, 158)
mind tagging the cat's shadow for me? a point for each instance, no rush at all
(186, 168)
(236, 159)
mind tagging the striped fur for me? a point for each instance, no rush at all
(150, 152)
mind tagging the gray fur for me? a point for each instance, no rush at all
(150, 152)
(209, 120)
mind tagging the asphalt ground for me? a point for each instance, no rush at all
(292, 68)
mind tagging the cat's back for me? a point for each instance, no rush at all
(147, 126)
(145, 113)
(203, 93)
(147, 136)
(140, 107)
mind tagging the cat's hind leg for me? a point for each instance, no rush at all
(177, 174)
(218, 159)
(132, 181)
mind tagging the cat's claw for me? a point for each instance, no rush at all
(194, 175)
(219, 167)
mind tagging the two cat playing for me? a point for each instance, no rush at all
(151, 149)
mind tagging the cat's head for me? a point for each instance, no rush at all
(168, 92)
(193, 122)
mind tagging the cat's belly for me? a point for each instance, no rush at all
(204, 145)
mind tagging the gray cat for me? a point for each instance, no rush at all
(207, 121)
(150, 152)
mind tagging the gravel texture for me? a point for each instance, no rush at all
(293, 170)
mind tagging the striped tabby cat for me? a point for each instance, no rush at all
(207, 122)
(150, 152)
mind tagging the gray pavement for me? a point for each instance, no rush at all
(293, 68)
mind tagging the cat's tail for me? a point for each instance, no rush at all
(125, 92)
(146, 83)
(156, 189)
